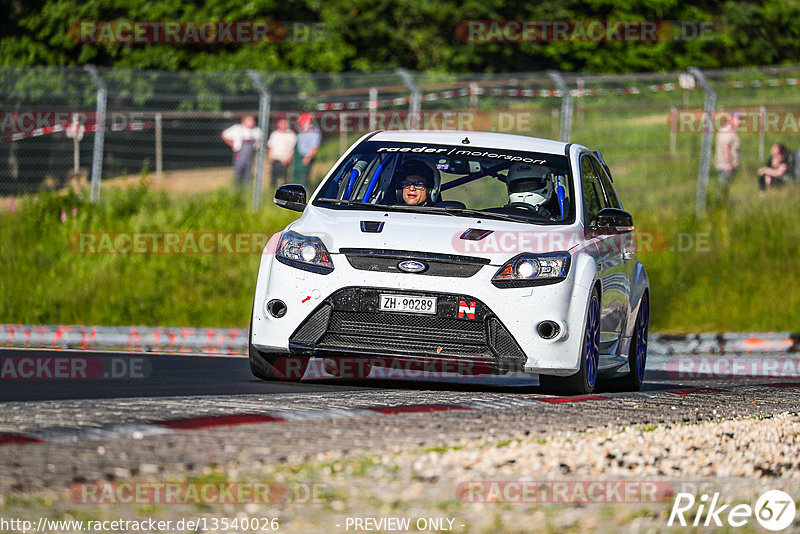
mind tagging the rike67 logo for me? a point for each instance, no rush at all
(774, 510)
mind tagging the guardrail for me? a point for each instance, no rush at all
(233, 341)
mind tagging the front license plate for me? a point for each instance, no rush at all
(408, 303)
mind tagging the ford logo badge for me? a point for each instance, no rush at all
(411, 266)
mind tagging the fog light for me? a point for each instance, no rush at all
(276, 308)
(548, 329)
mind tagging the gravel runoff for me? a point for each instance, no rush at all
(738, 458)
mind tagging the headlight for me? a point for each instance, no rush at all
(304, 252)
(527, 270)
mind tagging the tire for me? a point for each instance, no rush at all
(585, 380)
(274, 366)
(637, 355)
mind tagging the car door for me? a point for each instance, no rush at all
(607, 256)
(626, 247)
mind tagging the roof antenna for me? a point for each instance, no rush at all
(465, 141)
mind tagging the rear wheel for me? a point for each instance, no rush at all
(637, 355)
(584, 380)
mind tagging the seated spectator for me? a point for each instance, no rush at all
(777, 171)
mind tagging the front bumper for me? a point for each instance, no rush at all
(335, 314)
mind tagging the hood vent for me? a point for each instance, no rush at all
(372, 227)
(475, 234)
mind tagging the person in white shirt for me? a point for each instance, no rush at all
(728, 154)
(244, 139)
(281, 150)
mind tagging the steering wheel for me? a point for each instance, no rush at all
(524, 205)
(538, 210)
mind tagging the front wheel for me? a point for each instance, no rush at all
(637, 355)
(584, 380)
(269, 366)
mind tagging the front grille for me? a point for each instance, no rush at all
(406, 325)
(350, 321)
(314, 326)
(387, 261)
(405, 333)
(409, 347)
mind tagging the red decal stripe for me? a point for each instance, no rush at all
(212, 421)
(7, 438)
(416, 408)
(576, 398)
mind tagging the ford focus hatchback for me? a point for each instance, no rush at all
(455, 253)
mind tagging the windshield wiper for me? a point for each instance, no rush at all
(452, 212)
(368, 206)
(349, 203)
(486, 214)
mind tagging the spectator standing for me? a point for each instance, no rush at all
(728, 155)
(281, 150)
(244, 139)
(308, 141)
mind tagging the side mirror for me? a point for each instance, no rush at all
(610, 221)
(291, 197)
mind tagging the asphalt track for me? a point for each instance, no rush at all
(176, 414)
(47, 375)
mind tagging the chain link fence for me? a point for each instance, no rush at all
(70, 127)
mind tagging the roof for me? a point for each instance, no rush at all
(476, 139)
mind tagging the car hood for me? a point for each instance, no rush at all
(432, 233)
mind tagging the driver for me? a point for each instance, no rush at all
(416, 180)
(532, 185)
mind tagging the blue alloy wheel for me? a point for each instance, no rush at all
(592, 338)
(641, 340)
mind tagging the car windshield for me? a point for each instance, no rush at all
(453, 180)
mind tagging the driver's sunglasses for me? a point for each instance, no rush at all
(418, 184)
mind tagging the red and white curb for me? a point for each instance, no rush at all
(725, 343)
(204, 422)
(233, 341)
(88, 128)
(542, 93)
(211, 341)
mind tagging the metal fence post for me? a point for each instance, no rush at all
(762, 127)
(415, 99)
(705, 148)
(673, 131)
(99, 135)
(473, 96)
(554, 123)
(373, 108)
(566, 105)
(263, 122)
(159, 148)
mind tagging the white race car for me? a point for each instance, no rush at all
(455, 252)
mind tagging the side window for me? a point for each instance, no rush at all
(611, 195)
(593, 200)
